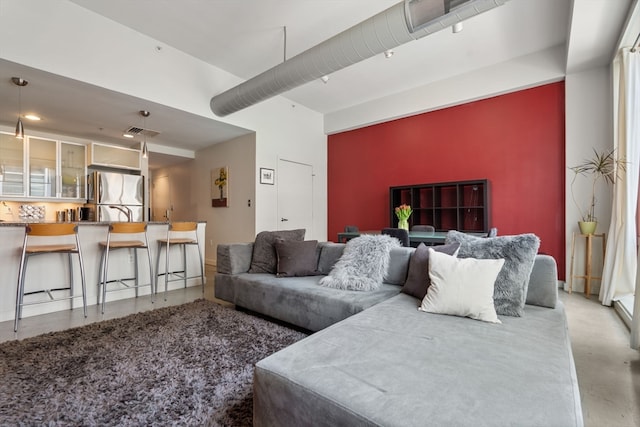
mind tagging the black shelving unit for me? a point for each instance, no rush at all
(458, 205)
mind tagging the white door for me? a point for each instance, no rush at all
(295, 196)
(161, 199)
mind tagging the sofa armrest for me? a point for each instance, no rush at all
(543, 282)
(234, 258)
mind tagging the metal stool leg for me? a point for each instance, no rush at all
(70, 279)
(184, 263)
(83, 281)
(201, 266)
(151, 281)
(100, 275)
(160, 245)
(105, 274)
(166, 268)
(136, 271)
(20, 291)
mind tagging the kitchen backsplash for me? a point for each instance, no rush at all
(32, 212)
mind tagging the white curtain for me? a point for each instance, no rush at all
(620, 266)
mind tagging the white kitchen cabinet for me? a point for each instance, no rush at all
(11, 165)
(114, 157)
(57, 169)
(73, 170)
(42, 168)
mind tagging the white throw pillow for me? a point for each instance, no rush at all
(462, 286)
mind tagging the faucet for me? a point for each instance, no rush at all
(125, 210)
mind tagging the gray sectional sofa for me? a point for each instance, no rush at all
(376, 360)
(299, 300)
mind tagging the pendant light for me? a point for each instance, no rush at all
(145, 150)
(20, 82)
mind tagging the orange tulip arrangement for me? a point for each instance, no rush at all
(403, 212)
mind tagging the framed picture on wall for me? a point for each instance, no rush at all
(267, 176)
(220, 187)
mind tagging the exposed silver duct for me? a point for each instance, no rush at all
(406, 21)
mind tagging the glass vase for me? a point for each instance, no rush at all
(403, 223)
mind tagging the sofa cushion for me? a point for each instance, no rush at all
(418, 280)
(543, 282)
(299, 300)
(296, 258)
(363, 264)
(519, 253)
(264, 259)
(398, 265)
(330, 253)
(233, 258)
(462, 286)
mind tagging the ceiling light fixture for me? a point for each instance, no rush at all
(32, 117)
(404, 22)
(457, 27)
(324, 79)
(145, 149)
(127, 135)
(388, 53)
(20, 82)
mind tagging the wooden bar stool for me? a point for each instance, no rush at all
(137, 231)
(50, 240)
(176, 237)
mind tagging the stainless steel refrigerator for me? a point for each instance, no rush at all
(116, 196)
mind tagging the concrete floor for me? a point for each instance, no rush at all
(61, 320)
(608, 370)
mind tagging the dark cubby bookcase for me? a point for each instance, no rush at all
(459, 205)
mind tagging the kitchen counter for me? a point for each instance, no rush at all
(24, 223)
(52, 269)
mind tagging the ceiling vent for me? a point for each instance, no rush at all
(135, 130)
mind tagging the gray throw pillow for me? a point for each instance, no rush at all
(519, 252)
(263, 259)
(329, 255)
(296, 258)
(418, 280)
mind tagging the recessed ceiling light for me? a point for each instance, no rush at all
(388, 53)
(32, 117)
(127, 135)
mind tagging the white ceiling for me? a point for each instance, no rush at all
(246, 38)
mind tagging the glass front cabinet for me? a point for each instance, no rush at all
(11, 165)
(43, 176)
(73, 170)
(42, 168)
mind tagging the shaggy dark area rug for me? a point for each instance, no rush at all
(186, 365)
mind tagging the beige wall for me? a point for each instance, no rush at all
(182, 204)
(235, 223)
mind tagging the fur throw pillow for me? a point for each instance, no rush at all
(363, 263)
(519, 253)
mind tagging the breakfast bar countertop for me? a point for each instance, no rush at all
(24, 223)
(54, 271)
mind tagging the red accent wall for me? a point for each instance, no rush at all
(516, 141)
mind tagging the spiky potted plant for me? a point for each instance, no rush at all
(604, 165)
